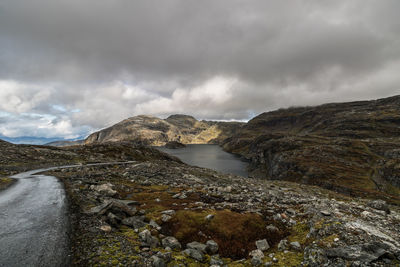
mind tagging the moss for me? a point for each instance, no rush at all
(290, 259)
(299, 233)
(6, 182)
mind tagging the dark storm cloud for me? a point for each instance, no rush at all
(102, 61)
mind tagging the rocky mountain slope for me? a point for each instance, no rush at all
(165, 213)
(348, 147)
(154, 131)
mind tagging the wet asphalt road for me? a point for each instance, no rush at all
(33, 222)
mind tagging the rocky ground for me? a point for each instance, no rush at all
(165, 213)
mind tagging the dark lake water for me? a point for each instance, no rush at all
(210, 156)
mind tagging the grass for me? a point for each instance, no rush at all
(235, 233)
(6, 182)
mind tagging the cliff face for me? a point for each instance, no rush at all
(349, 147)
(154, 131)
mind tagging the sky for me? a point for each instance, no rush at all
(70, 67)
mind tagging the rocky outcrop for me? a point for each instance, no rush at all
(348, 147)
(154, 131)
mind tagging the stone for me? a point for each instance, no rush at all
(135, 222)
(155, 225)
(168, 212)
(209, 217)
(106, 228)
(272, 228)
(256, 253)
(379, 205)
(295, 245)
(268, 264)
(262, 245)
(104, 189)
(197, 245)
(216, 260)
(145, 235)
(194, 254)
(158, 262)
(256, 261)
(325, 212)
(212, 247)
(282, 245)
(113, 219)
(171, 242)
(165, 218)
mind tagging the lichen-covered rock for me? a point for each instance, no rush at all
(171, 242)
(262, 245)
(211, 247)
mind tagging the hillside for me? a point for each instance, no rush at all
(154, 131)
(348, 147)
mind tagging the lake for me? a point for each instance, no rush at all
(210, 156)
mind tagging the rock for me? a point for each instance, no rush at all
(211, 247)
(325, 212)
(256, 261)
(209, 217)
(295, 245)
(113, 219)
(365, 253)
(158, 262)
(216, 260)
(282, 245)
(155, 225)
(165, 218)
(145, 235)
(256, 253)
(174, 145)
(171, 242)
(106, 228)
(268, 264)
(104, 189)
(196, 245)
(262, 245)
(379, 205)
(135, 222)
(272, 228)
(168, 212)
(194, 254)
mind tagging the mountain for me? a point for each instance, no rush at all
(348, 147)
(33, 140)
(154, 131)
(65, 143)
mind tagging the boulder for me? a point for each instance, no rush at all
(211, 247)
(194, 254)
(197, 245)
(262, 245)
(171, 242)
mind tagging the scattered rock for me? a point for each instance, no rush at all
(262, 245)
(171, 242)
(196, 245)
(295, 245)
(104, 189)
(283, 244)
(379, 205)
(211, 247)
(194, 254)
(256, 253)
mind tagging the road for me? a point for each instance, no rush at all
(34, 222)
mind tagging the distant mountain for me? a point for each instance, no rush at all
(33, 140)
(154, 131)
(65, 143)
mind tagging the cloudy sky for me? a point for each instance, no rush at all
(68, 67)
